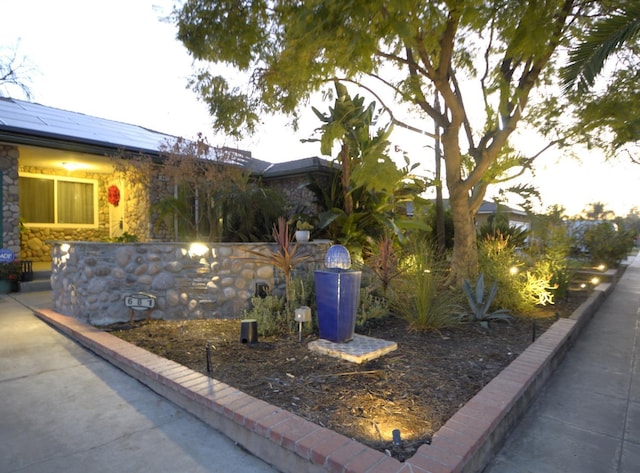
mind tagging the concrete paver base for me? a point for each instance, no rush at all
(358, 350)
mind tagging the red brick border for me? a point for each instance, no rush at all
(291, 444)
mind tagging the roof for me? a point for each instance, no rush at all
(299, 166)
(491, 208)
(488, 207)
(28, 123)
(34, 124)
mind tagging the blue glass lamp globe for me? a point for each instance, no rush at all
(337, 258)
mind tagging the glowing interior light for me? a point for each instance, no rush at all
(69, 166)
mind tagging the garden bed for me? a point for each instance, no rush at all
(414, 389)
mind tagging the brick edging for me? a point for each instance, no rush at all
(464, 444)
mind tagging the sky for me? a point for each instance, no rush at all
(118, 60)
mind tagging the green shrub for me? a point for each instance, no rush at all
(606, 244)
(420, 295)
(270, 314)
(497, 259)
(522, 283)
(371, 310)
(537, 288)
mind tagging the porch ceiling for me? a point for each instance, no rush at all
(64, 161)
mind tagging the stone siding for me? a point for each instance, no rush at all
(301, 200)
(91, 280)
(10, 209)
(34, 239)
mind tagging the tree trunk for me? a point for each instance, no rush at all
(345, 160)
(464, 259)
(440, 228)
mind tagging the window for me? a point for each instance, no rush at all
(59, 201)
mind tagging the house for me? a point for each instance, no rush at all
(516, 218)
(68, 176)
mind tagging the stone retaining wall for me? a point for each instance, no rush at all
(90, 280)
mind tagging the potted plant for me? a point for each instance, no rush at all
(303, 231)
(10, 274)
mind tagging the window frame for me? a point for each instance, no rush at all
(57, 178)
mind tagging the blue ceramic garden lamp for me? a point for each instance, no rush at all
(337, 294)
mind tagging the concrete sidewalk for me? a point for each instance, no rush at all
(587, 418)
(62, 408)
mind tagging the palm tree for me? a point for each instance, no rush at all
(604, 39)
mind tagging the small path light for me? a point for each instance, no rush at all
(396, 437)
(249, 331)
(302, 314)
(208, 352)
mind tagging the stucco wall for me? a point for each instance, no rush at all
(91, 280)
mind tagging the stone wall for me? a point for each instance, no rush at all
(10, 209)
(91, 280)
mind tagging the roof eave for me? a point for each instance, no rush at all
(64, 143)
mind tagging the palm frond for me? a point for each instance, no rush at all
(608, 36)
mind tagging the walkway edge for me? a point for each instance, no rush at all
(465, 444)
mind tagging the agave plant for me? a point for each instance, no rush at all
(479, 305)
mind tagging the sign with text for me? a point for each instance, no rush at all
(140, 301)
(6, 255)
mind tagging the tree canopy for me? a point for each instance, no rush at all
(483, 58)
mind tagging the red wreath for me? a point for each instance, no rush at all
(114, 195)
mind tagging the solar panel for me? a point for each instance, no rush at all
(39, 120)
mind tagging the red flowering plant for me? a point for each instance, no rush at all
(11, 271)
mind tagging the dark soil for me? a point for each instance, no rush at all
(415, 389)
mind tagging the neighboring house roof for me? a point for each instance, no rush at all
(299, 166)
(491, 208)
(27, 123)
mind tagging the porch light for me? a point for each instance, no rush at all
(69, 166)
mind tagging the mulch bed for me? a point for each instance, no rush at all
(414, 389)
